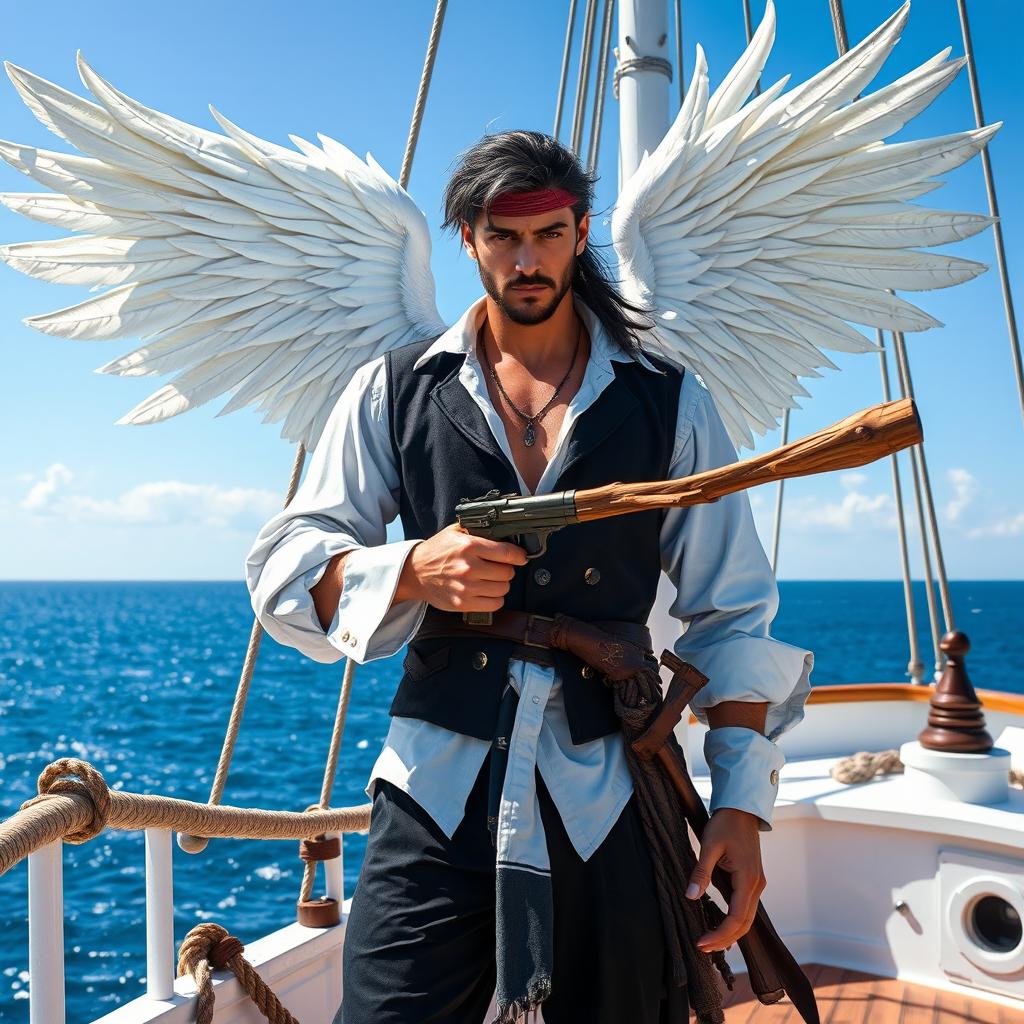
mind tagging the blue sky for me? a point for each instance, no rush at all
(81, 498)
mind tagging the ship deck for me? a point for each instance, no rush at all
(856, 997)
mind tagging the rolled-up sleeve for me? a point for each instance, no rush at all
(346, 499)
(726, 600)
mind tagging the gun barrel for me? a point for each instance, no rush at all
(861, 438)
(505, 515)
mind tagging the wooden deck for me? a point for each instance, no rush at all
(853, 997)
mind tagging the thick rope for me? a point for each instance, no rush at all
(330, 769)
(630, 64)
(421, 93)
(637, 700)
(193, 843)
(864, 766)
(197, 843)
(76, 804)
(209, 947)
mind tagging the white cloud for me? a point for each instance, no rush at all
(42, 492)
(851, 481)
(1011, 526)
(965, 489)
(856, 511)
(158, 503)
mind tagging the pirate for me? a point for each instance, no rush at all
(505, 851)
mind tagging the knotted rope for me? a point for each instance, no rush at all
(209, 947)
(330, 770)
(75, 804)
(637, 699)
(864, 765)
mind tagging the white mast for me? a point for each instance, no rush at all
(643, 73)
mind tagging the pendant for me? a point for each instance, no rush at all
(529, 437)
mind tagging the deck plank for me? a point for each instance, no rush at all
(856, 997)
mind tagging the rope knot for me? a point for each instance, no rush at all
(75, 777)
(208, 945)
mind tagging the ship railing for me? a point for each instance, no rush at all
(75, 804)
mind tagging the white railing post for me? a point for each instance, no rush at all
(46, 935)
(334, 871)
(159, 915)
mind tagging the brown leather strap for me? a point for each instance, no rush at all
(526, 628)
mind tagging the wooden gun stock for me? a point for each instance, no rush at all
(857, 440)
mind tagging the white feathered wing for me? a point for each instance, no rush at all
(243, 267)
(755, 231)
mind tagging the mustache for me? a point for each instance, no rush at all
(532, 281)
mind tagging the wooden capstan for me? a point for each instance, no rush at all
(956, 722)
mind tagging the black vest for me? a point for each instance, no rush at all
(604, 569)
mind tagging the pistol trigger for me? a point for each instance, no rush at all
(535, 544)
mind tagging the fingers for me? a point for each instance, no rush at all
(499, 551)
(747, 880)
(742, 910)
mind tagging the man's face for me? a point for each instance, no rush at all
(527, 263)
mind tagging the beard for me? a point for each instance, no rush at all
(529, 313)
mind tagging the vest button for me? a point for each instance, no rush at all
(479, 659)
(542, 577)
(774, 777)
(587, 672)
(592, 576)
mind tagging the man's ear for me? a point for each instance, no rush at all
(467, 240)
(582, 231)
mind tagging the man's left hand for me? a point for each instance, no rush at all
(732, 842)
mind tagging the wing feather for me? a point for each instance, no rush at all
(246, 268)
(760, 231)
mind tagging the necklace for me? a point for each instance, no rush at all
(530, 435)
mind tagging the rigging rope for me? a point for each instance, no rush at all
(679, 51)
(583, 79)
(993, 207)
(600, 87)
(915, 666)
(192, 843)
(933, 614)
(330, 768)
(421, 92)
(564, 76)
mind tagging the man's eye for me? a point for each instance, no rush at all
(554, 234)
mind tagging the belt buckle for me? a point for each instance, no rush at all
(529, 626)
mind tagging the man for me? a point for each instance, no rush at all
(534, 876)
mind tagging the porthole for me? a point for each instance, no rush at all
(994, 924)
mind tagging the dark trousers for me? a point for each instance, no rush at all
(419, 943)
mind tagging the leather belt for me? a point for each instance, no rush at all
(526, 628)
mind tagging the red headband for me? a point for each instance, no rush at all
(525, 204)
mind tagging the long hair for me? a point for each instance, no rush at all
(523, 161)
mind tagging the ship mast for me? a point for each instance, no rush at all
(644, 74)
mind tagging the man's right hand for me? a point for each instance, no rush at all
(457, 572)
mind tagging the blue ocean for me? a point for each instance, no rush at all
(138, 679)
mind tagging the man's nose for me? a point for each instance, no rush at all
(527, 260)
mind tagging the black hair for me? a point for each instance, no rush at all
(523, 161)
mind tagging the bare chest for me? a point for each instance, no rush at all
(529, 396)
